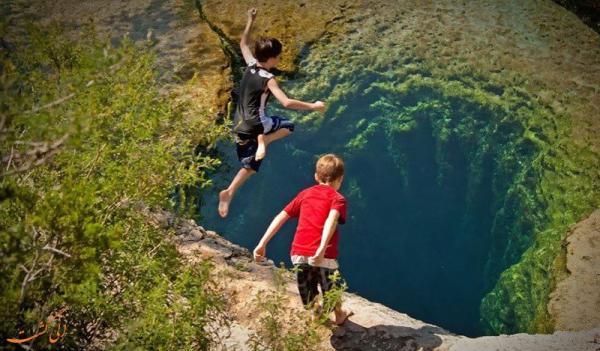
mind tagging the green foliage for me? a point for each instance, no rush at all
(87, 142)
(332, 298)
(280, 330)
(188, 321)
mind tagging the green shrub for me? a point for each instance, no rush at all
(85, 137)
(280, 330)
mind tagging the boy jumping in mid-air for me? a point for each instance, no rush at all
(315, 245)
(254, 129)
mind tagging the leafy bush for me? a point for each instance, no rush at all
(281, 331)
(85, 138)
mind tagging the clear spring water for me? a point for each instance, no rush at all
(432, 163)
(418, 234)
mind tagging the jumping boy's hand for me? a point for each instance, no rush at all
(259, 253)
(251, 14)
(319, 106)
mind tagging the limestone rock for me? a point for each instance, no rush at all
(575, 303)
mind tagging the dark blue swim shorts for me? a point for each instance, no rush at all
(246, 145)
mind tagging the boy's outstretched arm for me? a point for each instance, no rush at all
(292, 103)
(244, 42)
(278, 221)
(328, 230)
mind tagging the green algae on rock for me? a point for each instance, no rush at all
(456, 115)
(295, 24)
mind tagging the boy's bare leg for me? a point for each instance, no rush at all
(226, 195)
(341, 315)
(265, 140)
(283, 132)
(261, 150)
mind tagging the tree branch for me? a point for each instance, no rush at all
(59, 101)
(55, 250)
(41, 153)
(51, 104)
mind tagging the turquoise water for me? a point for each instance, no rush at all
(420, 211)
(438, 175)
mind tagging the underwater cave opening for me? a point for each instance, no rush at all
(426, 176)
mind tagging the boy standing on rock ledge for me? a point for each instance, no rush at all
(254, 129)
(315, 246)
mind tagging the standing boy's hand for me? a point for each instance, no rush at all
(259, 253)
(251, 14)
(317, 258)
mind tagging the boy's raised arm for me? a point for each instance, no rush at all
(278, 221)
(292, 103)
(328, 230)
(244, 42)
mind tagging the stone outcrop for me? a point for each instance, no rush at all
(575, 303)
(374, 327)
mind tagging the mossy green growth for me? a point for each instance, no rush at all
(569, 184)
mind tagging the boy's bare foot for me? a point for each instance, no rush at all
(224, 200)
(317, 308)
(261, 152)
(341, 316)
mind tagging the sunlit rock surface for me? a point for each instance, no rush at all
(190, 59)
(575, 303)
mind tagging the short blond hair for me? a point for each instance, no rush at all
(329, 168)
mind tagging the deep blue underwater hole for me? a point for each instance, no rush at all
(423, 184)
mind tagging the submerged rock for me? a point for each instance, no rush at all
(297, 24)
(190, 59)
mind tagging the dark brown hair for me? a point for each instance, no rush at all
(329, 168)
(265, 48)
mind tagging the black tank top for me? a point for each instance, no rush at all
(252, 102)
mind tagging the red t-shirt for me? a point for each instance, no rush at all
(312, 206)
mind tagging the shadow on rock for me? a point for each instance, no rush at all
(354, 337)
